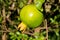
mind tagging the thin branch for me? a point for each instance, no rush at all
(4, 24)
(29, 1)
(10, 21)
(59, 1)
(26, 32)
(4, 37)
(12, 6)
(45, 24)
(4, 19)
(9, 30)
(38, 29)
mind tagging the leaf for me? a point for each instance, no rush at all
(21, 4)
(31, 38)
(17, 33)
(56, 31)
(11, 33)
(0, 19)
(38, 4)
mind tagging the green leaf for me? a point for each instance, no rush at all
(38, 4)
(17, 33)
(0, 19)
(36, 35)
(25, 1)
(41, 37)
(56, 31)
(11, 33)
(21, 4)
(11, 37)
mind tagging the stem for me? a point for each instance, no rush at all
(45, 24)
(29, 1)
(4, 36)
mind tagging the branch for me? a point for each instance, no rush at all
(29, 1)
(4, 37)
(45, 24)
(4, 19)
(26, 32)
(10, 21)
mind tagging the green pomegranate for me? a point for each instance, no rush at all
(30, 16)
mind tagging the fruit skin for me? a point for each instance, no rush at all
(31, 16)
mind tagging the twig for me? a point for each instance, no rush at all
(3, 31)
(59, 1)
(4, 24)
(39, 28)
(47, 7)
(47, 0)
(7, 31)
(4, 37)
(9, 20)
(29, 1)
(45, 24)
(12, 23)
(26, 32)
(12, 6)
(4, 19)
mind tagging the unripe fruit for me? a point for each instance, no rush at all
(31, 16)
